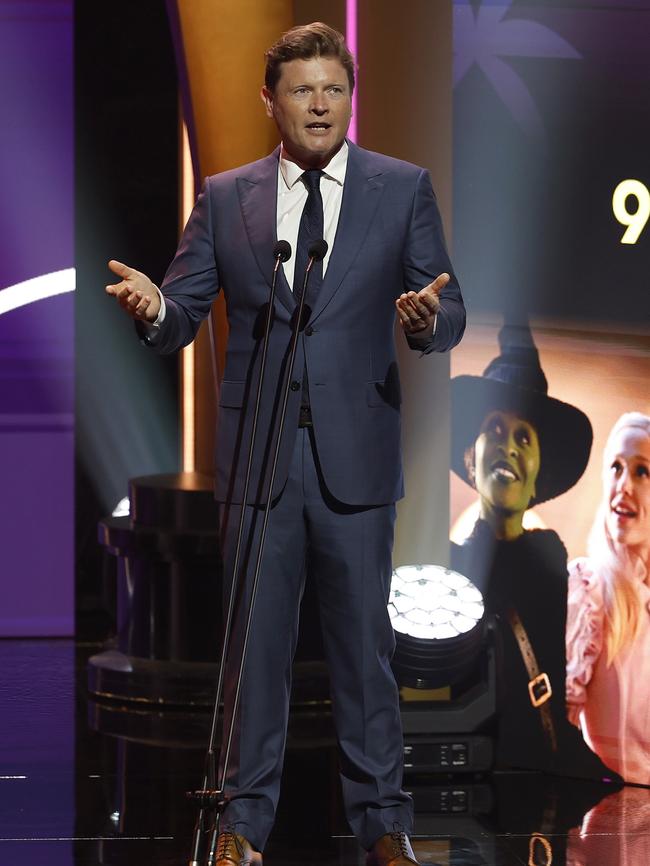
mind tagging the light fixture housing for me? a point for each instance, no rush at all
(439, 623)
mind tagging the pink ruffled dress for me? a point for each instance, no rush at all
(612, 703)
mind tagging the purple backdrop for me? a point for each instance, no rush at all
(36, 329)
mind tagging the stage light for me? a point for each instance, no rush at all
(123, 508)
(351, 31)
(438, 618)
(188, 354)
(445, 642)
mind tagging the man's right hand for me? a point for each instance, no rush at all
(135, 292)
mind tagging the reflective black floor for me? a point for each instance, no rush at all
(82, 784)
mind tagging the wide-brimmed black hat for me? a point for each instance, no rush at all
(515, 382)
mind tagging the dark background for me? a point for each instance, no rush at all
(126, 208)
(534, 230)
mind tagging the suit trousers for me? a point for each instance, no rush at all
(347, 551)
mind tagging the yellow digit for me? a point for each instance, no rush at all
(636, 221)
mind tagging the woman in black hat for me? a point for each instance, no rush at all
(518, 447)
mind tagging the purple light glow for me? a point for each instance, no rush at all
(37, 319)
(351, 39)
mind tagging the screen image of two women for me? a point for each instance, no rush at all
(580, 707)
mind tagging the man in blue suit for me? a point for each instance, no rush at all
(339, 472)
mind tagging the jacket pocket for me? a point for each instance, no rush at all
(384, 393)
(231, 394)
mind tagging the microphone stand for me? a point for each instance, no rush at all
(316, 252)
(210, 800)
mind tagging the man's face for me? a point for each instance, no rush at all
(312, 106)
(507, 462)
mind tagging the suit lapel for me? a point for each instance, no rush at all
(361, 196)
(258, 191)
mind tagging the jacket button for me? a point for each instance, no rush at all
(295, 386)
(309, 330)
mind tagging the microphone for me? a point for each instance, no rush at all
(317, 251)
(282, 251)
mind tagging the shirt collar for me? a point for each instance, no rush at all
(335, 168)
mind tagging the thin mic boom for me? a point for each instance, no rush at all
(282, 251)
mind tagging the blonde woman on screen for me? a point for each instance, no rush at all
(608, 624)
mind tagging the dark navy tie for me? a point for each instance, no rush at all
(310, 230)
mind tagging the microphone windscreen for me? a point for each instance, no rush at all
(282, 251)
(317, 250)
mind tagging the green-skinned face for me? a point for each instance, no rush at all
(507, 461)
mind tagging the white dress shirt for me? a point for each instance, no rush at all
(292, 196)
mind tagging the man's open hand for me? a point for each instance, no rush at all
(417, 310)
(135, 292)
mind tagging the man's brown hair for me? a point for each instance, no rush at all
(303, 43)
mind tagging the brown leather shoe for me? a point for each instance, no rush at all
(235, 850)
(392, 849)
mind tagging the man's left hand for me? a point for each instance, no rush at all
(417, 310)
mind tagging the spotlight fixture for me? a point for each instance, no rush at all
(438, 618)
(444, 639)
(123, 508)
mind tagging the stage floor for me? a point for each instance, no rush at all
(71, 793)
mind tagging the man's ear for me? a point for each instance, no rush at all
(266, 96)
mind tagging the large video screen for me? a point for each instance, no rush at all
(550, 497)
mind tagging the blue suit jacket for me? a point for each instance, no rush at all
(389, 239)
